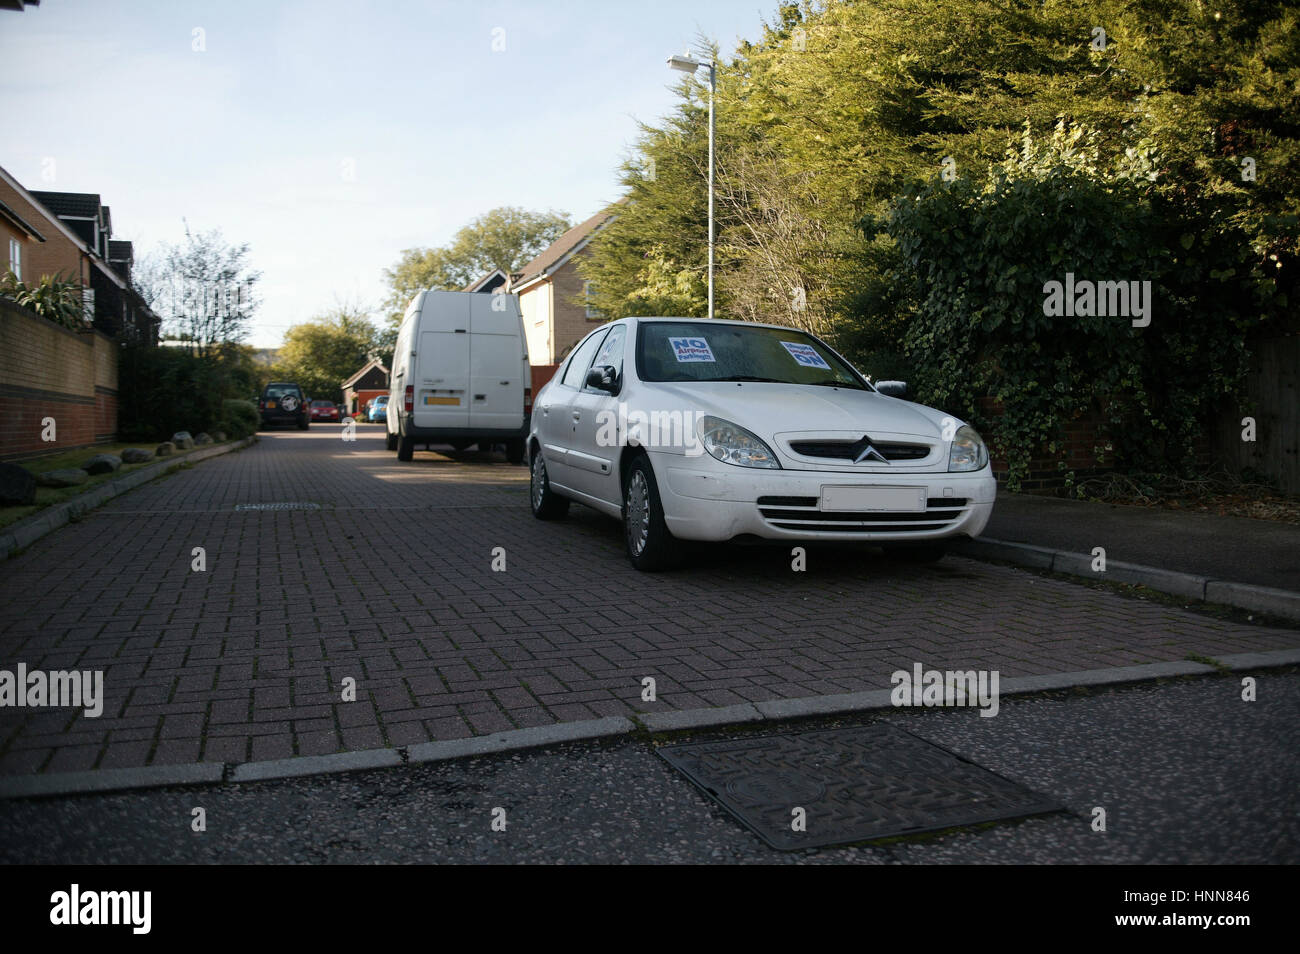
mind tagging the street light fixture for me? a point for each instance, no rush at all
(689, 64)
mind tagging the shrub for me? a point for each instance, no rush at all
(53, 297)
(239, 418)
(977, 257)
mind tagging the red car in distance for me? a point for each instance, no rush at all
(324, 411)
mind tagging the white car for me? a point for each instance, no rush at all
(697, 429)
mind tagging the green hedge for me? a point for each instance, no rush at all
(976, 258)
(239, 418)
(165, 390)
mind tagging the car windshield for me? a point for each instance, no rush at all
(381, 400)
(700, 351)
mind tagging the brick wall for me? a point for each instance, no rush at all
(57, 253)
(1074, 448)
(571, 321)
(49, 371)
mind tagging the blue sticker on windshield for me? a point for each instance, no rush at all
(806, 355)
(691, 349)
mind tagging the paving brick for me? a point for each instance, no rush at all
(457, 650)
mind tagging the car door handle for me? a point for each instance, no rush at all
(577, 416)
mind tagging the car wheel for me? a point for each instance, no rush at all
(391, 441)
(921, 553)
(405, 448)
(650, 546)
(515, 450)
(546, 503)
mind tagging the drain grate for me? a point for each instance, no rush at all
(292, 505)
(854, 784)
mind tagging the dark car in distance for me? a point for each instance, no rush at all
(284, 403)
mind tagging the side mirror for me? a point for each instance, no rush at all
(603, 378)
(895, 389)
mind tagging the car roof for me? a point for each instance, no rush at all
(709, 321)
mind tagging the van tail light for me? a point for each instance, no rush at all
(528, 401)
(408, 401)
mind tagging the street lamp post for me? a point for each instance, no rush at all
(688, 64)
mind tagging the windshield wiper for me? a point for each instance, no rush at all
(748, 377)
(831, 383)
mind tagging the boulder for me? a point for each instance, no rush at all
(136, 455)
(102, 464)
(165, 449)
(182, 440)
(203, 438)
(67, 477)
(218, 436)
(17, 486)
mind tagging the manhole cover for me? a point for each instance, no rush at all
(853, 784)
(278, 506)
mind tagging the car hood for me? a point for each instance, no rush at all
(770, 409)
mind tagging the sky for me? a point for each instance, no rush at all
(331, 135)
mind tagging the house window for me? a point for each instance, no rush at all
(16, 258)
(589, 289)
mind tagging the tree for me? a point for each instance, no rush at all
(203, 289)
(321, 354)
(505, 238)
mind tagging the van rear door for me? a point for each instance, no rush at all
(496, 363)
(441, 385)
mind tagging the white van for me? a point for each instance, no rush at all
(460, 374)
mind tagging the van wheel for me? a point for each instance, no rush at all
(390, 441)
(546, 503)
(650, 546)
(515, 450)
(405, 448)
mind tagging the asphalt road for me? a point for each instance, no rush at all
(1188, 774)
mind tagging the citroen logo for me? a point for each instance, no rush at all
(863, 450)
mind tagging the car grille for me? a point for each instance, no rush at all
(846, 450)
(801, 513)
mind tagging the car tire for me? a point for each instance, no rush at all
(921, 553)
(390, 441)
(546, 503)
(405, 448)
(650, 545)
(515, 450)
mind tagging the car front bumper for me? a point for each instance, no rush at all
(704, 502)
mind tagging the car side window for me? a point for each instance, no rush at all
(611, 352)
(581, 361)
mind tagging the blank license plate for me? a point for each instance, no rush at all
(430, 399)
(883, 499)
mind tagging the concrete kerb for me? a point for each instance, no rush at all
(1247, 596)
(159, 776)
(26, 532)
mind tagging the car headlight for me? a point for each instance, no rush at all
(732, 444)
(968, 451)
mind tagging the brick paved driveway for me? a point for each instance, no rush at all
(390, 583)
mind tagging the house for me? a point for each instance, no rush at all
(551, 295)
(58, 386)
(370, 382)
(489, 283)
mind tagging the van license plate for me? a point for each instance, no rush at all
(430, 399)
(879, 499)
